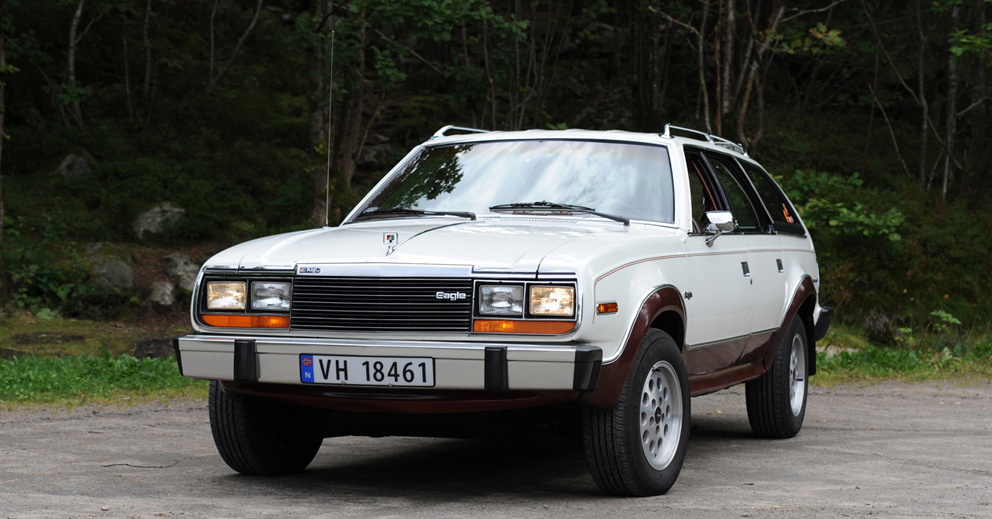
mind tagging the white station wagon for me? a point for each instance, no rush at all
(498, 276)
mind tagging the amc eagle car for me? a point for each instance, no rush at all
(498, 276)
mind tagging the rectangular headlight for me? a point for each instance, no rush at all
(552, 301)
(271, 296)
(226, 295)
(505, 300)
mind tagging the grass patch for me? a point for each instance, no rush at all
(963, 362)
(105, 379)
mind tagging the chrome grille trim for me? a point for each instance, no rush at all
(380, 304)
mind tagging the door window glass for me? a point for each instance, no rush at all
(740, 203)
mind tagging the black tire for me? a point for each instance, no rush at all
(255, 436)
(776, 401)
(618, 442)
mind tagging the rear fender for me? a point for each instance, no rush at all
(801, 307)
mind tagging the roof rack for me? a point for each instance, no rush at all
(444, 131)
(712, 139)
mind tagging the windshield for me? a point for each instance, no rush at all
(631, 180)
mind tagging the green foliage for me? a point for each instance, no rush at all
(816, 40)
(102, 377)
(50, 277)
(827, 205)
(943, 322)
(851, 235)
(971, 359)
(239, 159)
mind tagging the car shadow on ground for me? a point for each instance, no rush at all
(414, 469)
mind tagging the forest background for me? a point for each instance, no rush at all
(873, 114)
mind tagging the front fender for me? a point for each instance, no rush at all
(664, 306)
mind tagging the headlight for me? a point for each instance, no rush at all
(226, 295)
(555, 301)
(501, 300)
(271, 296)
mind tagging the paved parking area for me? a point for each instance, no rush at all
(890, 450)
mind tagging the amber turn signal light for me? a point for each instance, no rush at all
(543, 327)
(247, 321)
(607, 308)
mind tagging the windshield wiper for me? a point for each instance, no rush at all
(556, 207)
(401, 211)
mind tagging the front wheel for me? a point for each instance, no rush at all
(638, 447)
(776, 401)
(257, 436)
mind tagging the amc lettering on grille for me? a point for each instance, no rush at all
(382, 304)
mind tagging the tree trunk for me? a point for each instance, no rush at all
(645, 50)
(127, 81)
(924, 105)
(752, 78)
(718, 69)
(215, 77)
(728, 58)
(701, 65)
(348, 130)
(979, 156)
(74, 109)
(348, 138)
(725, 92)
(146, 89)
(952, 94)
(663, 73)
(489, 75)
(317, 136)
(3, 110)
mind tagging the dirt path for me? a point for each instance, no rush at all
(891, 450)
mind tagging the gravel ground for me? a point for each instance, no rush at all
(890, 450)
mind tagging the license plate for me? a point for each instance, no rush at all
(367, 371)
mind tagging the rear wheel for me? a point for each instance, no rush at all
(776, 402)
(637, 448)
(256, 436)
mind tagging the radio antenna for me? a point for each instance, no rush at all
(330, 107)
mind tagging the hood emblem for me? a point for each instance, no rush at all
(390, 239)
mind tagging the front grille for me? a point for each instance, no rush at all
(380, 304)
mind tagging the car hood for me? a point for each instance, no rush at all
(505, 244)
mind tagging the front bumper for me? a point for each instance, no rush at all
(822, 322)
(458, 365)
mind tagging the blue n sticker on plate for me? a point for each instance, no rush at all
(306, 369)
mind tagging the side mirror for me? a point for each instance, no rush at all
(720, 222)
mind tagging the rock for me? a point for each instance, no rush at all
(183, 269)
(163, 293)
(154, 348)
(157, 218)
(381, 156)
(113, 274)
(74, 165)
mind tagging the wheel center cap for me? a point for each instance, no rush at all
(657, 414)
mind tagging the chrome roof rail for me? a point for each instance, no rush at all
(712, 139)
(443, 131)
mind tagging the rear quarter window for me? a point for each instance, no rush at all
(784, 216)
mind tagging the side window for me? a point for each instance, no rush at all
(702, 196)
(740, 203)
(783, 214)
